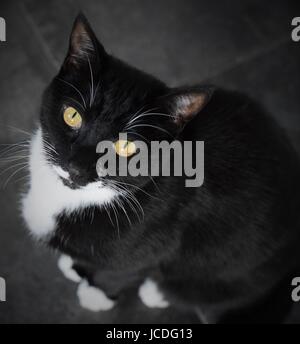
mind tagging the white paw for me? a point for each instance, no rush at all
(65, 264)
(93, 299)
(151, 296)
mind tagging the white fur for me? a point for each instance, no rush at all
(62, 173)
(65, 264)
(151, 296)
(48, 197)
(93, 299)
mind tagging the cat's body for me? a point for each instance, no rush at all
(223, 249)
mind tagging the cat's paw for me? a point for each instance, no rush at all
(65, 264)
(93, 299)
(151, 296)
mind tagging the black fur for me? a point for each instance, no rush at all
(225, 249)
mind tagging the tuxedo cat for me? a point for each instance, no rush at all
(227, 250)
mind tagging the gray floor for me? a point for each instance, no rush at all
(244, 45)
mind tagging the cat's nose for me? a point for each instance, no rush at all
(77, 175)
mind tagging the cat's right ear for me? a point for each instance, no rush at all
(84, 46)
(185, 104)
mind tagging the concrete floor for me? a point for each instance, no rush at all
(243, 45)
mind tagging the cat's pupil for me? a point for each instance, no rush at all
(74, 115)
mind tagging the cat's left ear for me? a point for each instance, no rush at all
(187, 104)
(84, 45)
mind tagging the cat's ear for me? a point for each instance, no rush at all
(187, 104)
(84, 45)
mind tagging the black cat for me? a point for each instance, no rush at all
(227, 250)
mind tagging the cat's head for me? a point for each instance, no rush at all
(95, 97)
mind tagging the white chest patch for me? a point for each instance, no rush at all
(48, 197)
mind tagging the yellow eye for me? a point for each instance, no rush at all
(72, 118)
(125, 148)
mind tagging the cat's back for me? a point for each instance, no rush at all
(250, 165)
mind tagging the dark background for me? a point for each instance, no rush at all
(243, 45)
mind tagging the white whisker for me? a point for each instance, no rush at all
(49, 146)
(129, 194)
(138, 114)
(149, 114)
(15, 165)
(151, 126)
(108, 213)
(15, 144)
(96, 91)
(116, 216)
(19, 130)
(12, 175)
(92, 82)
(137, 134)
(12, 148)
(138, 188)
(155, 184)
(13, 153)
(76, 89)
(76, 102)
(119, 202)
(22, 178)
(5, 160)
(129, 198)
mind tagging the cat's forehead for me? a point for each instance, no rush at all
(116, 91)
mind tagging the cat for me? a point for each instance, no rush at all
(226, 250)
